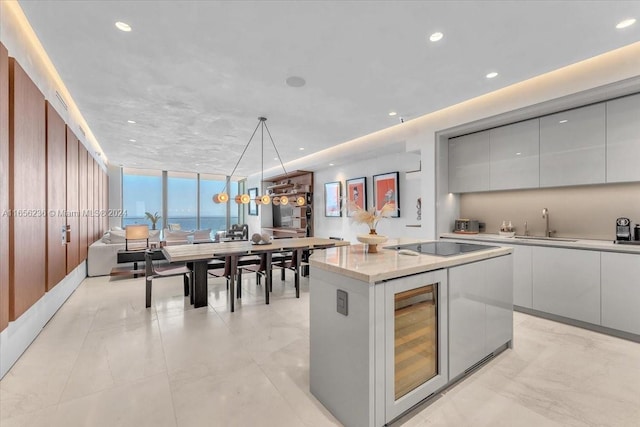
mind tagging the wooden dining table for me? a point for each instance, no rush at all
(197, 256)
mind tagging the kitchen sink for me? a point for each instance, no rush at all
(551, 239)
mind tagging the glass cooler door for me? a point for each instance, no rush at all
(416, 343)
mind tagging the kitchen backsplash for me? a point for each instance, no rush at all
(587, 212)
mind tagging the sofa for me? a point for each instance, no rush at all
(103, 253)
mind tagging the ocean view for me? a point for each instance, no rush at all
(215, 223)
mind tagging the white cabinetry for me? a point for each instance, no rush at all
(480, 311)
(469, 163)
(515, 156)
(566, 282)
(623, 139)
(522, 276)
(621, 291)
(572, 147)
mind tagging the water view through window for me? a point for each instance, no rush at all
(186, 207)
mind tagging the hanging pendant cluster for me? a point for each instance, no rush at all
(264, 199)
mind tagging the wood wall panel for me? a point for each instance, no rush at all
(56, 196)
(73, 207)
(27, 192)
(96, 201)
(105, 201)
(89, 212)
(82, 200)
(4, 187)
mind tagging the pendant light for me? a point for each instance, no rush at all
(264, 199)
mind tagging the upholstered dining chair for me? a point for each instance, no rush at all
(154, 272)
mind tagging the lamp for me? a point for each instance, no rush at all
(264, 199)
(136, 232)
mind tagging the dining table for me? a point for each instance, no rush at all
(197, 257)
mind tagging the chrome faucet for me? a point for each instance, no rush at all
(545, 215)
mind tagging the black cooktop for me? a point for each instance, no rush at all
(442, 248)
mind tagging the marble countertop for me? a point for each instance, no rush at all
(585, 244)
(354, 261)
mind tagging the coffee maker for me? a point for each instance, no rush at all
(623, 230)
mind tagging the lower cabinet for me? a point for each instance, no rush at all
(522, 280)
(480, 311)
(621, 291)
(566, 282)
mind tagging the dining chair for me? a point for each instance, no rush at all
(221, 267)
(227, 266)
(157, 271)
(293, 263)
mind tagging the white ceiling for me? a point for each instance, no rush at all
(195, 75)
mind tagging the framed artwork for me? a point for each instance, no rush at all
(332, 196)
(356, 194)
(253, 206)
(386, 190)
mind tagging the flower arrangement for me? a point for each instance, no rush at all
(371, 216)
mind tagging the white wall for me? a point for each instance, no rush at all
(410, 186)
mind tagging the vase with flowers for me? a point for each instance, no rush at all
(370, 218)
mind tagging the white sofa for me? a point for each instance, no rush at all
(103, 253)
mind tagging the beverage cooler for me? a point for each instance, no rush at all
(415, 353)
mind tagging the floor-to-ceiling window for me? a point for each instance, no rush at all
(189, 201)
(214, 215)
(182, 200)
(141, 193)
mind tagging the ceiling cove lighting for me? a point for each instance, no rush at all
(123, 26)
(492, 75)
(265, 199)
(437, 36)
(626, 23)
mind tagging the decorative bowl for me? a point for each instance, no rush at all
(372, 240)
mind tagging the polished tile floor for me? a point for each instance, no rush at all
(105, 360)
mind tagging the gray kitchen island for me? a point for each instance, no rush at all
(390, 329)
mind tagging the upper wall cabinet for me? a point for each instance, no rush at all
(514, 153)
(623, 139)
(469, 163)
(572, 147)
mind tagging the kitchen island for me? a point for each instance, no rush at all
(388, 330)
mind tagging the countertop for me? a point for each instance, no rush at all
(585, 244)
(354, 261)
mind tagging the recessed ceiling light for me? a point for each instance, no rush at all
(301, 148)
(392, 113)
(132, 140)
(123, 26)
(626, 23)
(275, 158)
(330, 164)
(295, 81)
(492, 75)
(517, 154)
(563, 121)
(131, 121)
(436, 36)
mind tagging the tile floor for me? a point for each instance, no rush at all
(105, 360)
